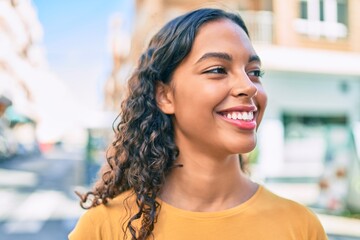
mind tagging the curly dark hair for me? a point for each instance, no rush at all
(144, 151)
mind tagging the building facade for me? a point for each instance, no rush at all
(27, 82)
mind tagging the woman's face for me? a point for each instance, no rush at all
(216, 93)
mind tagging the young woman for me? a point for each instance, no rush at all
(173, 172)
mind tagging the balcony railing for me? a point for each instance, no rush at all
(317, 29)
(260, 25)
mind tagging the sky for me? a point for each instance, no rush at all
(76, 43)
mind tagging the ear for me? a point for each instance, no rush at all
(164, 98)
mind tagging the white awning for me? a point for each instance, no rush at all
(278, 58)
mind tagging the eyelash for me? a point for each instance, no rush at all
(256, 73)
(216, 70)
(222, 70)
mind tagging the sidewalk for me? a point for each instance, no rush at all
(336, 225)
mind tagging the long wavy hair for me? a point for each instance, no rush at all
(144, 151)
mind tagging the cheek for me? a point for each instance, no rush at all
(202, 94)
(263, 98)
(261, 101)
(196, 105)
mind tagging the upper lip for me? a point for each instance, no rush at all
(243, 108)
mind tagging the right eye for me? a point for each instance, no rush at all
(216, 70)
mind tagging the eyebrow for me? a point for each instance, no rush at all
(254, 58)
(219, 55)
(225, 56)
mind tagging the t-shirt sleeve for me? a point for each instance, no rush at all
(85, 229)
(315, 229)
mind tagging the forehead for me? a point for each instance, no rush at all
(222, 36)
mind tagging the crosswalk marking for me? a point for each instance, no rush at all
(6, 201)
(14, 178)
(31, 215)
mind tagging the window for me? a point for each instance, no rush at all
(322, 18)
(321, 9)
(342, 11)
(303, 9)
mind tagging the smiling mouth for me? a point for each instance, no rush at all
(236, 115)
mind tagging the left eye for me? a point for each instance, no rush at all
(216, 70)
(256, 73)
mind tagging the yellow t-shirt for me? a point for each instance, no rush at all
(264, 216)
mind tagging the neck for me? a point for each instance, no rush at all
(207, 184)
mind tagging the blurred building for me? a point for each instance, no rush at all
(26, 81)
(19, 35)
(119, 46)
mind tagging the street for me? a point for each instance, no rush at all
(38, 200)
(37, 196)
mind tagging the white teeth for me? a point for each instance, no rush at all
(247, 116)
(234, 116)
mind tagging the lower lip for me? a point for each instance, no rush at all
(244, 125)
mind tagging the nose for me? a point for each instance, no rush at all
(243, 86)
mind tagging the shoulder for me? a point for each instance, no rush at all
(272, 202)
(291, 213)
(105, 219)
(114, 208)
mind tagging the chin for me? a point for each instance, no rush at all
(243, 148)
(247, 149)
